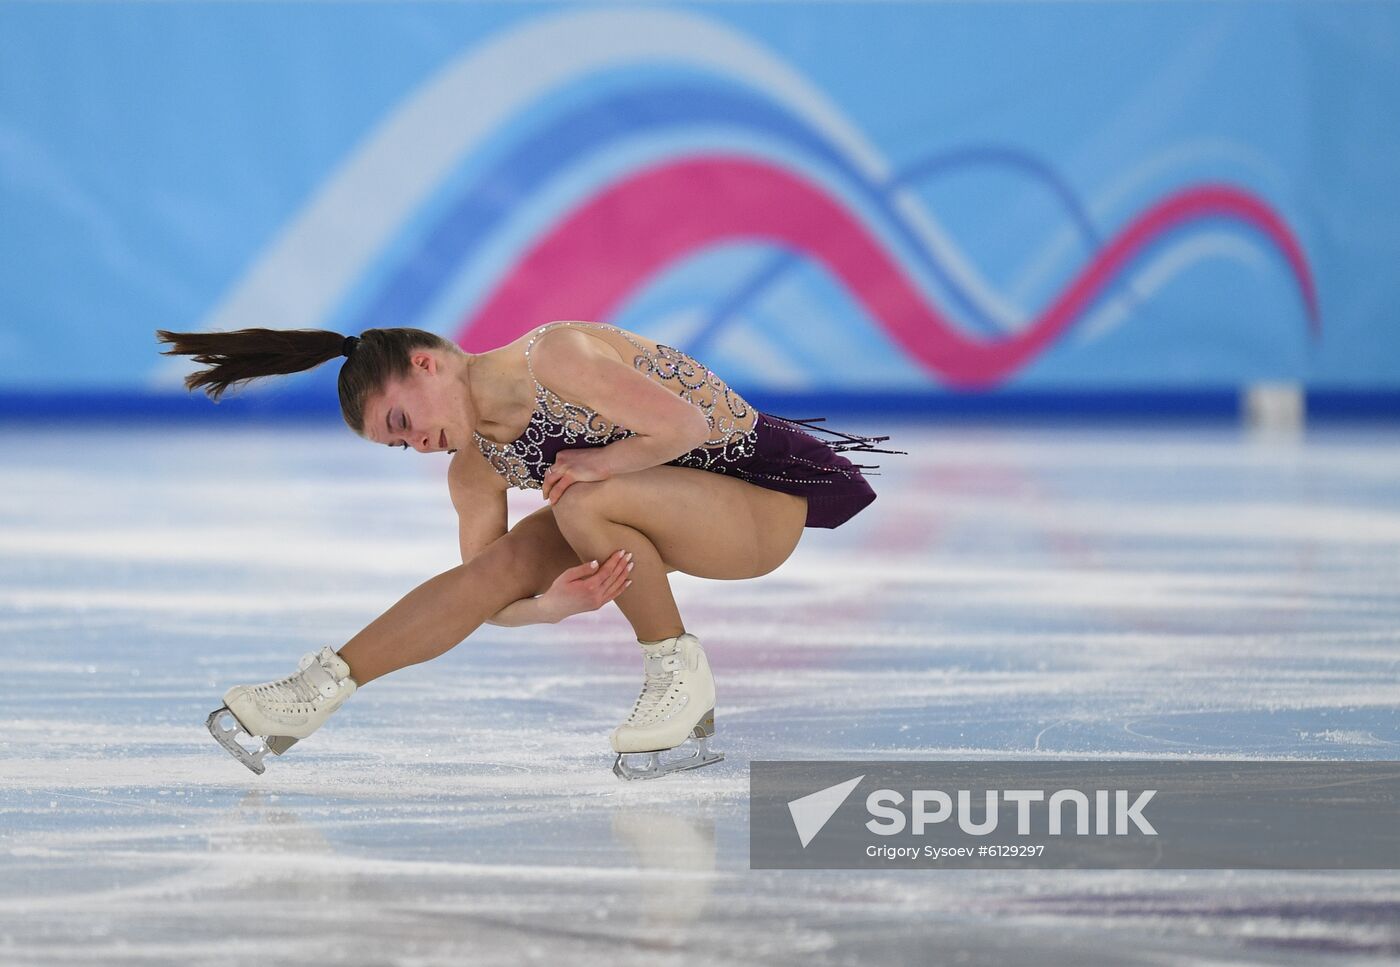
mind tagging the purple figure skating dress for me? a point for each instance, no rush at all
(766, 450)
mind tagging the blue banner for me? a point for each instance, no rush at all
(849, 198)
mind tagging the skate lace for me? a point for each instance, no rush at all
(306, 687)
(660, 674)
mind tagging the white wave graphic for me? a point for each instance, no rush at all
(1160, 271)
(324, 248)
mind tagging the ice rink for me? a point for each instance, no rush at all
(1138, 591)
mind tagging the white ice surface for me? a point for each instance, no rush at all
(1134, 592)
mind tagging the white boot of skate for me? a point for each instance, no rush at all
(677, 702)
(283, 711)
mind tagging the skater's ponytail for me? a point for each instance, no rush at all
(375, 358)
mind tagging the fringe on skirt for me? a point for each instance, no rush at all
(847, 442)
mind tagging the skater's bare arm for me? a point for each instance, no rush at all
(526, 611)
(479, 496)
(664, 425)
(580, 588)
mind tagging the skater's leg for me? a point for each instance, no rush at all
(679, 518)
(438, 614)
(429, 620)
(546, 554)
(548, 547)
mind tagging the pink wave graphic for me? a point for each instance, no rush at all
(597, 255)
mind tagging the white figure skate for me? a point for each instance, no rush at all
(677, 702)
(283, 711)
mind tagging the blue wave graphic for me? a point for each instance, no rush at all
(468, 222)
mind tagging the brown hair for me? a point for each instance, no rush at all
(379, 357)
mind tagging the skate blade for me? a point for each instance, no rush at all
(653, 767)
(228, 738)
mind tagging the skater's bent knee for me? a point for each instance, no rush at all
(581, 499)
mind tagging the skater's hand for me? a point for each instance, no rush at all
(588, 588)
(571, 467)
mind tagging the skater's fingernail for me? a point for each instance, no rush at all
(630, 566)
(628, 584)
(629, 555)
(592, 563)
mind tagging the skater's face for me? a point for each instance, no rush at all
(423, 411)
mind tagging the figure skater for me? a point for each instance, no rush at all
(648, 461)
